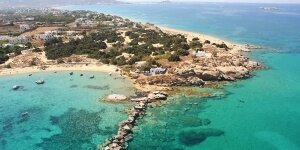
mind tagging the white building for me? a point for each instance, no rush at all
(29, 19)
(54, 32)
(201, 54)
(44, 37)
(157, 70)
(24, 27)
(85, 22)
(20, 39)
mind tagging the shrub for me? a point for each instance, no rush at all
(195, 44)
(182, 52)
(174, 57)
(17, 51)
(37, 50)
(206, 42)
(185, 46)
(195, 39)
(60, 61)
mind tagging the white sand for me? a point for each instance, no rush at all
(191, 35)
(63, 67)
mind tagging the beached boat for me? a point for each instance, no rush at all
(40, 82)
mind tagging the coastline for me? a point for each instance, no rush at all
(62, 67)
(190, 35)
(95, 66)
(173, 30)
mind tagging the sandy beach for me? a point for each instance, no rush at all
(62, 67)
(190, 35)
(236, 48)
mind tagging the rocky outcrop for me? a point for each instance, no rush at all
(210, 75)
(157, 95)
(184, 71)
(195, 81)
(116, 98)
(232, 73)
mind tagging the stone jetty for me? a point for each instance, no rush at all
(124, 134)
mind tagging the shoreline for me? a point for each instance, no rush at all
(191, 34)
(172, 30)
(62, 67)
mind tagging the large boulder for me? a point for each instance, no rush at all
(195, 81)
(184, 71)
(158, 95)
(233, 72)
(252, 65)
(198, 71)
(116, 98)
(210, 75)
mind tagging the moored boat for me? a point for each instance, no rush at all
(16, 87)
(40, 82)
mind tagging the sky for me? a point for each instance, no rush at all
(244, 1)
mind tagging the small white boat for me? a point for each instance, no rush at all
(92, 77)
(16, 87)
(40, 82)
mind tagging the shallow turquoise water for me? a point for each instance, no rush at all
(64, 113)
(258, 113)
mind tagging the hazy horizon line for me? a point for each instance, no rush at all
(194, 1)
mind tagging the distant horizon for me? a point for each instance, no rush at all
(219, 1)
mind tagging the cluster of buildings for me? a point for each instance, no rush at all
(85, 22)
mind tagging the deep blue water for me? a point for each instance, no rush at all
(259, 113)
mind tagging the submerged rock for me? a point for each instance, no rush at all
(77, 127)
(196, 136)
(94, 87)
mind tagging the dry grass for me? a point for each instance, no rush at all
(40, 30)
(9, 29)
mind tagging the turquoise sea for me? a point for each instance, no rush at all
(259, 113)
(65, 113)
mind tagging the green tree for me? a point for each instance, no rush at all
(174, 57)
